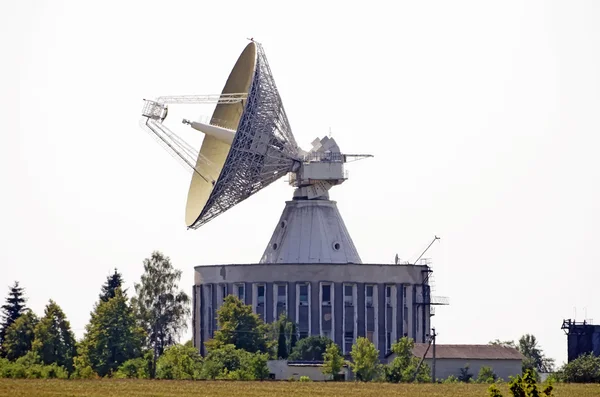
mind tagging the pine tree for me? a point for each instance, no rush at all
(19, 336)
(11, 311)
(293, 338)
(282, 342)
(113, 282)
(54, 341)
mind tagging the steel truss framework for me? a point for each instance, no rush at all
(263, 149)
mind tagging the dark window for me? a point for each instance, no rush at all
(347, 290)
(261, 294)
(326, 293)
(304, 293)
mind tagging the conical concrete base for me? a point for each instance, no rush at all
(311, 231)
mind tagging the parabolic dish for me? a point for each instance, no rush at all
(263, 148)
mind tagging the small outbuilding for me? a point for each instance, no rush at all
(285, 370)
(504, 361)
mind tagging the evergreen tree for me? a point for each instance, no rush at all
(282, 342)
(160, 307)
(20, 335)
(113, 282)
(54, 341)
(11, 310)
(112, 335)
(293, 338)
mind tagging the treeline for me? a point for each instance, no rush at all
(125, 337)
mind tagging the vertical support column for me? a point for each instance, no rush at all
(399, 311)
(380, 324)
(291, 302)
(248, 293)
(269, 302)
(315, 306)
(360, 310)
(413, 316)
(200, 314)
(338, 291)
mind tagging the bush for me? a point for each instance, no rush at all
(486, 375)
(523, 386)
(82, 369)
(451, 379)
(179, 362)
(227, 362)
(135, 368)
(584, 369)
(305, 379)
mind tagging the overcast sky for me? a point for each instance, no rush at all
(482, 117)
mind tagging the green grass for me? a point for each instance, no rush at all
(147, 388)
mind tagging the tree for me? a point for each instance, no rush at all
(179, 362)
(54, 341)
(333, 361)
(534, 356)
(404, 365)
(465, 374)
(240, 327)
(282, 343)
(227, 362)
(311, 348)
(109, 288)
(11, 310)
(112, 335)
(161, 308)
(508, 343)
(20, 335)
(293, 337)
(486, 375)
(584, 369)
(365, 360)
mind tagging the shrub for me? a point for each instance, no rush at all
(584, 369)
(486, 375)
(135, 368)
(305, 379)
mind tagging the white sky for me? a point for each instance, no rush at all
(482, 116)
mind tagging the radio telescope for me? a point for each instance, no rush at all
(248, 145)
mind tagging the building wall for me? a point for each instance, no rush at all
(283, 371)
(341, 301)
(502, 368)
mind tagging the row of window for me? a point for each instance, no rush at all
(303, 299)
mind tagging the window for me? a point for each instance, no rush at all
(304, 294)
(388, 295)
(405, 313)
(303, 334)
(326, 294)
(404, 288)
(348, 295)
(388, 342)
(224, 291)
(260, 292)
(348, 341)
(240, 292)
(369, 296)
(281, 295)
(370, 336)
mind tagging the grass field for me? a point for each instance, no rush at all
(146, 388)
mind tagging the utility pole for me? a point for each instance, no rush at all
(433, 335)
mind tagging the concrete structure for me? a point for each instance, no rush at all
(582, 338)
(284, 370)
(341, 301)
(504, 361)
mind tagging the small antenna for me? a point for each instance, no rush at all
(423, 253)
